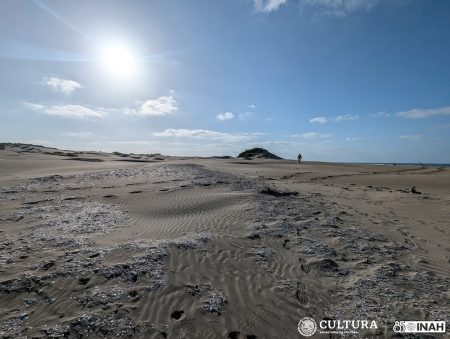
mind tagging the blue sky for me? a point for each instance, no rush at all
(354, 80)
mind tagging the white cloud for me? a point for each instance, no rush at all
(318, 120)
(161, 106)
(418, 113)
(62, 85)
(274, 143)
(312, 136)
(225, 116)
(268, 5)
(206, 134)
(352, 139)
(346, 117)
(67, 111)
(339, 118)
(77, 134)
(413, 137)
(252, 106)
(134, 142)
(381, 114)
(34, 107)
(246, 115)
(337, 8)
(340, 8)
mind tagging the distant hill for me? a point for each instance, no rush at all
(259, 153)
(20, 147)
(91, 156)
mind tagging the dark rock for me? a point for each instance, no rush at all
(30, 301)
(305, 268)
(47, 265)
(275, 193)
(415, 191)
(83, 281)
(195, 290)
(176, 315)
(16, 218)
(323, 265)
(234, 334)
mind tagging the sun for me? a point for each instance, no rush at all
(118, 59)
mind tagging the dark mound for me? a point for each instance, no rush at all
(258, 153)
(275, 193)
(222, 157)
(135, 160)
(86, 159)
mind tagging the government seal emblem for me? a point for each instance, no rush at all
(307, 326)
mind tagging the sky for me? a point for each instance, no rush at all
(334, 80)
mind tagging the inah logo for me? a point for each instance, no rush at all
(307, 326)
(419, 327)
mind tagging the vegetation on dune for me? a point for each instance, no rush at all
(258, 152)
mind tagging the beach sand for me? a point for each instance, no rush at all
(115, 245)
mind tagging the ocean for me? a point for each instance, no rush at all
(408, 164)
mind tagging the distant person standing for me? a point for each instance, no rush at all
(299, 158)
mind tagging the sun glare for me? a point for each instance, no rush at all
(118, 60)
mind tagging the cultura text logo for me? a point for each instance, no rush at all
(308, 326)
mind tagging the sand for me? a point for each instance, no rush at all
(116, 245)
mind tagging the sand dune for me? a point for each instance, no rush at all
(192, 248)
